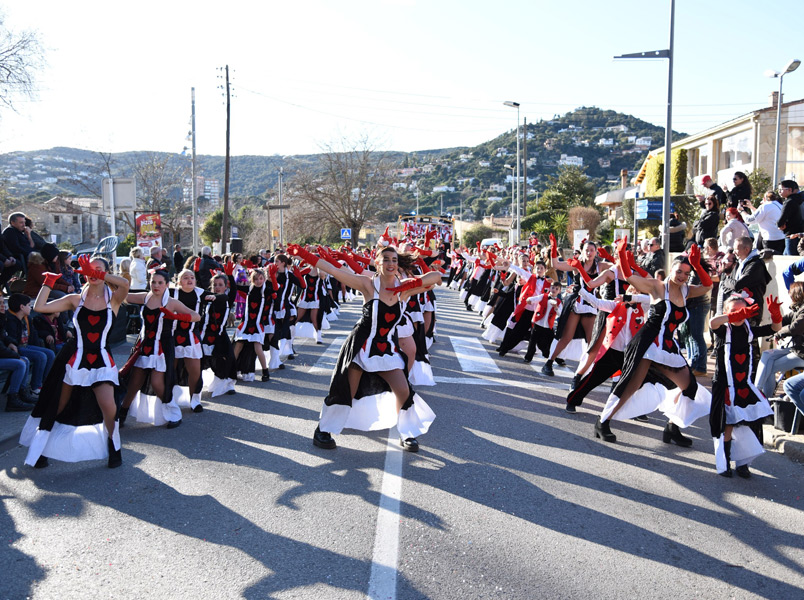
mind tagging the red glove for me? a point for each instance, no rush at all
(576, 264)
(553, 246)
(741, 314)
(604, 254)
(622, 258)
(634, 266)
(272, 271)
(492, 257)
(175, 316)
(197, 265)
(229, 268)
(308, 257)
(422, 265)
(775, 309)
(324, 253)
(361, 259)
(407, 284)
(478, 245)
(86, 269)
(347, 258)
(50, 280)
(694, 257)
(249, 265)
(300, 275)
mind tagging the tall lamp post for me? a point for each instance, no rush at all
(789, 68)
(513, 199)
(516, 106)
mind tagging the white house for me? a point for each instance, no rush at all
(576, 161)
(644, 142)
(618, 129)
(483, 163)
(498, 188)
(400, 186)
(605, 142)
(443, 188)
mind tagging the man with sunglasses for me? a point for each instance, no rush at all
(791, 221)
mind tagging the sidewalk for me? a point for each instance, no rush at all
(11, 423)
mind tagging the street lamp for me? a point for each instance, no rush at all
(516, 106)
(789, 68)
(513, 198)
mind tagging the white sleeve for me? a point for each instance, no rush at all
(520, 271)
(599, 303)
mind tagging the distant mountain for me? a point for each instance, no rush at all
(603, 141)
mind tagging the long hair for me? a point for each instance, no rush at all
(405, 261)
(797, 293)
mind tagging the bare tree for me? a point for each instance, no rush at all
(21, 55)
(159, 185)
(348, 187)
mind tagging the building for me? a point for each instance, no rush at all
(79, 221)
(576, 161)
(605, 142)
(206, 187)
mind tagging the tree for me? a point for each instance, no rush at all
(761, 182)
(476, 234)
(159, 185)
(570, 187)
(349, 187)
(21, 55)
(210, 230)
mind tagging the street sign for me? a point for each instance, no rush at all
(346, 233)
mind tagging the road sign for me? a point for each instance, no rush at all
(346, 233)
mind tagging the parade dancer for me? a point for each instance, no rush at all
(369, 389)
(309, 302)
(75, 417)
(218, 354)
(250, 334)
(653, 362)
(519, 325)
(187, 342)
(287, 281)
(546, 307)
(150, 370)
(738, 406)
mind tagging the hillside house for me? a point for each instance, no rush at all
(79, 221)
(399, 185)
(443, 188)
(605, 142)
(643, 142)
(618, 129)
(483, 163)
(498, 188)
(465, 180)
(501, 152)
(427, 169)
(576, 161)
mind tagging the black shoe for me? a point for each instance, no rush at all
(14, 404)
(409, 444)
(231, 392)
(173, 424)
(528, 359)
(291, 356)
(198, 409)
(323, 439)
(115, 456)
(547, 369)
(603, 431)
(265, 375)
(25, 398)
(41, 462)
(570, 408)
(641, 418)
(672, 433)
(726, 473)
(281, 366)
(575, 381)
(743, 471)
(560, 362)
(122, 413)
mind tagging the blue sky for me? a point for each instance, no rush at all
(410, 74)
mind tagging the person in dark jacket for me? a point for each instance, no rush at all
(706, 226)
(207, 268)
(741, 190)
(655, 258)
(750, 274)
(17, 238)
(676, 228)
(791, 221)
(714, 191)
(781, 360)
(27, 341)
(16, 397)
(178, 258)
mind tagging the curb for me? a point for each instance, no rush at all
(789, 445)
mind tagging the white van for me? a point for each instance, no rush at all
(487, 242)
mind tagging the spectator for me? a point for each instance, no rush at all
(698, 310)
(8, 264)
(660, 275)
(36, 277)
(735, 228)
(17, 238)
(10, 360)
(654, 260)
(781, 360)
(706, 225)
(750, 274)
(714, 258)
(178, 257)
(714, 191)
(165, 259)
(139, 272)
(125, 270)
(154, 262)
(207, 268)
(51, 329)
(766, 217)
(66, 269)
(741, 192)
(791, 221)
(38, 240)
(26, 340)
(676, 228)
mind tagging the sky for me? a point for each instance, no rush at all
(407, 74)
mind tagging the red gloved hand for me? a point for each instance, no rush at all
(175, 316)
(694, 257)
(775, 309)
(576, 264)
(741, 314)
(229, 268)
(249, 265)
(350, 260)
(324, 253)
(50, 280)
(308, 257)
(634, 266)
(363, 260)
(86, 269)
(604, 254)
(272, 271)
(197, 265)
(300, 276)
(407, 284)
(422, 265)
(553, 246)
(622, 258)
(478, 245)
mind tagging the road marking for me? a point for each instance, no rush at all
(382, 580)
(563, 372)
(474, 358)
(495, 382)
(327, 361)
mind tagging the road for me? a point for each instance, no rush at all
(510, 497)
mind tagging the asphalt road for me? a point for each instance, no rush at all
(510, 497)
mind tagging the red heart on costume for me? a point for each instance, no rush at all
(185, 325)
(411, 303)
(216, 316)
(211, 338)
(740, 358)
(213, 327)
(384, 331)
(254, 304)
(91, 358)
(389, 317)
(252, 315)
(679, 315)
(93, 337)
(147, 349)
(672, 327)
(250, 330)
(668, 343)
(151, 334)
(743, 393)
(739, 376)
(381, 346)
(150, 318)
(180, 339)
(93, 319)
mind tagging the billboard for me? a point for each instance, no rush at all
(149, 229)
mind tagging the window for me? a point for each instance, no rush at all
(736, 150)
(794, 167)
(75, 219)
(56, 219)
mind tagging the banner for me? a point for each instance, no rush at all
(149, 229)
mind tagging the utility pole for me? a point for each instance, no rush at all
(194, 191)
(524, 168)
(281, 213)
(225, 220)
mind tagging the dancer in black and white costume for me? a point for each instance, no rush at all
(75, 417)
(187, 342)
(215, 343)
(250, 334)
(369, 388)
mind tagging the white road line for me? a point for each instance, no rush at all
(474, 358)
(382, 581)
(495, 382)
(326, 362)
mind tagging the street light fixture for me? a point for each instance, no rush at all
(513, 198)
(518, 224)
(789, 68)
